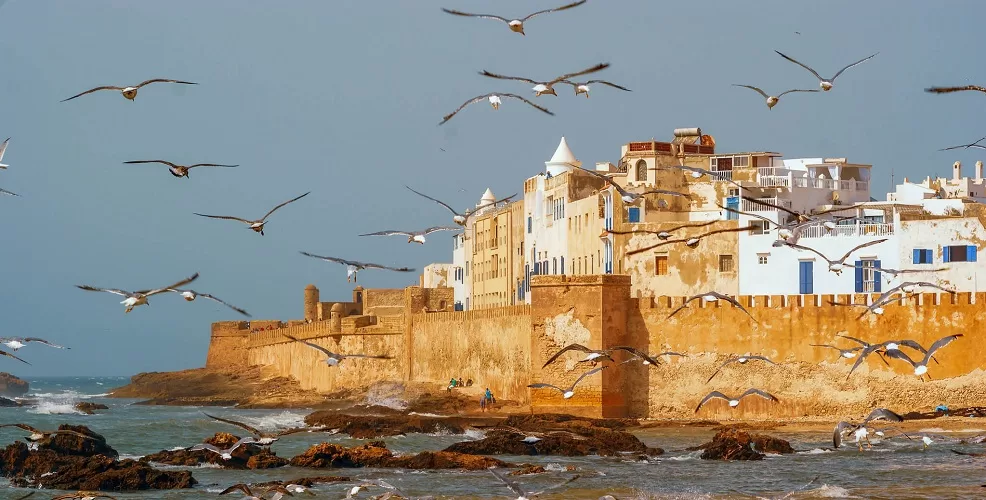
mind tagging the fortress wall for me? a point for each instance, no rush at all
(812, 380)
(228, 344)
(382, 297)
(490, 346)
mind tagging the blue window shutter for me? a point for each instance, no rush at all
(929, 258)
(529, 221)
(859, 276)
(633, 214)
(810, 274)
(917, 256)
(537, 268)
(970, 252)
(876, 277)
(946, 257)
(563, 265)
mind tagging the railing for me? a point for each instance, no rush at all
(750, 206)
(819, 231)
(774, 181)
(831, 184)
(721, 175)
(772, 172)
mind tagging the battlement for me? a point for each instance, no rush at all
(549, 280)
(811, 301)
(474, 315)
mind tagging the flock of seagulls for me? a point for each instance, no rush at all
(825, 84)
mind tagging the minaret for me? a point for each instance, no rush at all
(487, 199)
(563, 160)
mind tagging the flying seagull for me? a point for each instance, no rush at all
(83, 495)
(38, 435)
(653, 357)
(227, 453)
(130, 92)
(256, 225)
(921, 367)
(190, 295)
(771, 99)
(690, 242)
(583, 88)
(826, 84)
(279, 491)
(547, 87)
(495, 101)
(180, 170)
(698, 172)
(3, 148)
(393, 490)
(458, 218)
(594, 354)
(663, 234)
(635, 198)
(963, 146)
(860, 431)
(353, 267)
(16, 343)
(733, 403)
(887, 348)
(946, 90)
(413, 236)
(843, 353)
(9, 355)
(515, 25)
(333, 359)
(261, 438)
(738, 359)
(8, 193)
(836, 266)
(567, 393)
(885, 298)
(138, 298)
(519, 491)
(712, 297)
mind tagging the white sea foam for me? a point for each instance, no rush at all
(474, 433)
(939, 430)
(680, 458)
(816, 451)
(285, 419)
(827, 491)
(64, 395)
(131, 457)
(54, 408)
(555, 467)
(427, 415)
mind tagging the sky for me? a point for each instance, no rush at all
(343, 98)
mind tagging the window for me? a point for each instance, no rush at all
(633, 214)
(554, 265)
(732, 203)
(723, 164)
(641, 171)
(758, 227)
(733, 191)
(726, 264)
(467, 268)
(563, 265)
(867, 276)
(923, 256)
(494, 266)
(959, 253)
(762, 259)
(661, 265)
(529, 224)
(741, 161)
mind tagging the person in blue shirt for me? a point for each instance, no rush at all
(489, 396)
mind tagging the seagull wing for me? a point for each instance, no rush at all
(483, 16)
(211, 165)
(108, 87)
(9, 193)
(771, 205)
(242, 441)
(640, 354)
(241, 425)
(514, 487)
(854, 339)
(946, 90)
(667, 192)
(387, 268)
(840, 209)
(743, 213)
(9, 355)
(226, 217)
(114, 291)
(231, 306)
(442, 203)
(942, 342)
(313, 346)
(728, 361)
(388, 232)
(684, 304)
(762, 358)
(168, 163)
(795, 90)
(598, 67)
(503, 77)
(440, 228)
(490, 204)
(559, 485)
(570, 347)
(42, 341)
(3, 148)
(854, 64)
(586, 374)
(367, 356)
(611, 84)
(799, 64)
(514, 96)
(333, 259)
(282, 204)
(241, 487)
(449, 117)
(72, 433)
(761, 92)
(866, 352)
(740, 306)
(205, 446)
(556, 9)
(709, 396)
(839, 430)
(607, 178)
(816, 252)
(857, 247)
(540, 385)
(687, 226)
(25, 427)
(883, 414)
(758, 392)
(913, 345)
(163, 80)
(176, 285)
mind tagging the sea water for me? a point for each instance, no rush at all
(896, 468)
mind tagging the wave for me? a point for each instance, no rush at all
(64, 395)
(826, 491)
(283, 420)
(433, 415)
(130, 457)
(816, 451)
(939, 430)
(54, 408)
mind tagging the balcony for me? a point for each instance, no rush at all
(819, 231)
(721, 175)
(750, 206)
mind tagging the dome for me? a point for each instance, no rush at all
(336, 308)
(487, 198)
(563, 160)
(310, 287)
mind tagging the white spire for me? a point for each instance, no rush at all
(563, 159)
(487, 198)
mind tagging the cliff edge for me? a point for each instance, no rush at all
(11, 386)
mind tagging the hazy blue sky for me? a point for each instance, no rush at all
(343, 98)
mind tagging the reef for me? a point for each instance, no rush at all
(375, 454)
(248, 456)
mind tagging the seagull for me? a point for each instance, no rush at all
(843, 353)
(893, 273)
(495, 101)
(712, 297)
(860, 431)
(3, 148)
(583, 88)
(180, 170)
(261, 438)
(885, 298)
(415, 236)
(963, 146)
(690, 242)
(594, 354)
(130, 92)
(698, 172)
(278, 490)
(646, 362)
(9, 355)
(83, 495)
(138, 298)
(635, 198)
(921, 367)
(256, 225)
(227, 453)
(567, 393)
(353, 267)
(772, 100)
(802, 217)
(826, 85)
(532, 437)
(663, 234)
(8, 193)
(515, 25)
(888, 348)
(733, 403)
(738, 359)
(836, 266)
(190, 295)
(516, 488)
(458, 218)
(541, 88)
(16, 343)
(332, 358)
(946, 90)
(38, 435)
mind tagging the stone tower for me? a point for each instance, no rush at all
(311, 303)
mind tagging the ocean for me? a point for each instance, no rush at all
(896, 468)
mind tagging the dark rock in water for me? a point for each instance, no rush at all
(8, 403)
(248, 456)
(67, 444)
(11, 386)
(307, 482)
(88, 408)
(733, 444)
(376, 454)
(527, 469)
(369, 426)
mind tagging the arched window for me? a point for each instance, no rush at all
(641, 169)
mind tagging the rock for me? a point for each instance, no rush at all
(527, 469)
(247, 456)
(733, 444)
(375, 454)
(12, 386)
(67, 444)
(8, 403)
(369, 426)
(88, 408)
(307, 482)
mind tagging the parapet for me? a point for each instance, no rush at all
(580, 280)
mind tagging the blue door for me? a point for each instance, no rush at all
(806, 283)
(732, 203)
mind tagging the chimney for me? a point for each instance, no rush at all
(979, 170)
(956, 171)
